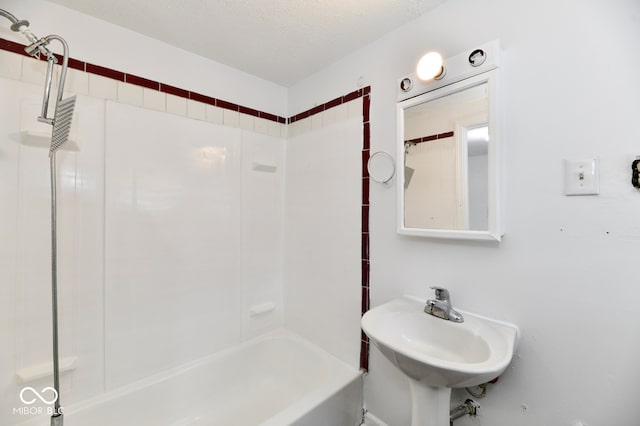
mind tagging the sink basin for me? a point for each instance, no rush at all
(438, 352)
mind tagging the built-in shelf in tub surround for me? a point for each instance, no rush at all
(39, 371)
(264, 167)
(262, 308)
(39, 139)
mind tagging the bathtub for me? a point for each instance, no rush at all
(275, 380)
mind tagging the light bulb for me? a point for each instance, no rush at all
(430, 66)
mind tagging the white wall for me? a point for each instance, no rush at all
(100, 43)
(565, 269)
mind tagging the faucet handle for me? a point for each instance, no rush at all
(441, 293)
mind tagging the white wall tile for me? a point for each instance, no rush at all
(273, 129)
(196, 110)
(341, 112)
(77, 82)
(34, 71)
(154, 99)
(354, 108)
(231, 118)
(215, 114)
(328, 116)
(130, 94)
(304, 126)
(316, 121)
(10, 65)
(293, 129)
(247, 122)
(261, 126)
(176, 105)
(102, 87)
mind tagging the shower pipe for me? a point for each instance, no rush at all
(61, 126)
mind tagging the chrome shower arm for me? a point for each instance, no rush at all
(51, 59)
(15, 22)
(65, 61)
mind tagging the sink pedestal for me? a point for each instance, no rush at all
(429, 404)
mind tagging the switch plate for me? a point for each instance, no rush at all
(581, 177)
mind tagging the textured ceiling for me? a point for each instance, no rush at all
(282, 41)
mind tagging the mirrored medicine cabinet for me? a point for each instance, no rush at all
(449, 160)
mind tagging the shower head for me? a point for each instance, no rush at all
(62, 123)
(408, 174)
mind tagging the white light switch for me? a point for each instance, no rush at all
(581, 177)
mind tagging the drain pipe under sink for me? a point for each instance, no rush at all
(469, 407)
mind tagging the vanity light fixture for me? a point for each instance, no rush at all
(430, 67)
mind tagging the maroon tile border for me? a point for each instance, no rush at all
(105, 72)
(430, 137)
(360, 93)
(77, 65)
(248, 111)
(227, 105)
(366, 261)
(140, 81)
(367, 136)
(172, 90)
(12, 46)
(364, 354)
(202, 98)
(363, 93)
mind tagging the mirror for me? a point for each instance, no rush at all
(448, 139)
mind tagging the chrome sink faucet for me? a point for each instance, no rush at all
(441, 306)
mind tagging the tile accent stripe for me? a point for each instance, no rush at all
(366, 261)
(12, 46)
(430, 137)
(360, 93)
(364, 93)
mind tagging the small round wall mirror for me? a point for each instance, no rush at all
(381, 167)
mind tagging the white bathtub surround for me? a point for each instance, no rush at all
(193, 239)
(274, 380)
(179, 223)
(322, 237)
(172, 186)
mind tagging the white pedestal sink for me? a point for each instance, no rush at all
(437, 354)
